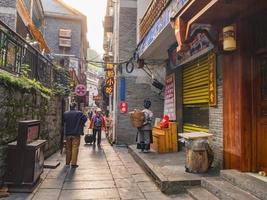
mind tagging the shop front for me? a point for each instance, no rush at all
(239, 55)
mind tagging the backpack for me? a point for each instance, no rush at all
(98, 122)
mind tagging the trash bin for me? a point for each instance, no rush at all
(25, 158)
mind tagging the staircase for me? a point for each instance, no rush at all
(231, 185)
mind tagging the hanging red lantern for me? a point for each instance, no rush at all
(123, 107)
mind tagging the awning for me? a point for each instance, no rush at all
(22, 11)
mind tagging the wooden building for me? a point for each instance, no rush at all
(202, 56)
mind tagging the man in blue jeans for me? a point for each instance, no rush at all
(74, 122)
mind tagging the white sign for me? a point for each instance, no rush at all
(170, 100)
(74, 64)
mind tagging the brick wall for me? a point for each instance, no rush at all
(8, 13)
(138, 84)
(216, 121)
(52, 26)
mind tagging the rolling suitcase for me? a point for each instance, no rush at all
(88, 138)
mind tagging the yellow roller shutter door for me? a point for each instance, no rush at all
(196, 89)
(196, 82)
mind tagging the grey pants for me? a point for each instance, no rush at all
(143, 139)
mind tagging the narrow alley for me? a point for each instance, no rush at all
(103, 173)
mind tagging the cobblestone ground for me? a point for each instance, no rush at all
(103, 173)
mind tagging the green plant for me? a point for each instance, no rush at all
(24, 84)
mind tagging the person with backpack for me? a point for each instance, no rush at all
(97, 124)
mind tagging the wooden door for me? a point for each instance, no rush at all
(260, 105)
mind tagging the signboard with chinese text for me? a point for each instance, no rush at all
(199, 44)
(109, 82)
(170, 99)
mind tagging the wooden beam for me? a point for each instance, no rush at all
(200, 13)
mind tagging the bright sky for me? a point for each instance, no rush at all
(95, 11)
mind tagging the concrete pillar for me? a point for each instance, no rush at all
(8, 13)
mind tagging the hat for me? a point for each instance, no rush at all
(98, 110)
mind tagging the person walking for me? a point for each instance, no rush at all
(74, 122)
(144, 135)
(97, 124)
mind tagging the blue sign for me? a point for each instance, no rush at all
(160, 24)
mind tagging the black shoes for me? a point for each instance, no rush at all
(74, 166)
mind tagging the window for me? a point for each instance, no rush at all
(63, 42)
(64, 37)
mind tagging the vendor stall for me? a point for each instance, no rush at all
(165, 139)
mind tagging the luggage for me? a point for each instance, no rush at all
(137, 118)
(88, 138)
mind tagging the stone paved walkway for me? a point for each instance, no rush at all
(103, 173)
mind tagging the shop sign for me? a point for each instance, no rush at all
(212, 81)
(200, 43)
(170, 99)
(109, 83)
(74, 64)
(80, 90)
(161, 23)
(97, 98)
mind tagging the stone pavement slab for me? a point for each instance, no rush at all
(103, 173)
(89, 194)
(88, 185)
(46, 194)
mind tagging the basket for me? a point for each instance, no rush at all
(137, 118)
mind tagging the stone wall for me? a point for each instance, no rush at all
(8, 13)
(52, 26)
(16, 106)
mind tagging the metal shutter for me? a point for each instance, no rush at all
(196, 82)
(196, 89)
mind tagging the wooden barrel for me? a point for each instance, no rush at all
(197, 161)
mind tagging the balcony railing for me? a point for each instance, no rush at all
(16, 52)
(153, 12)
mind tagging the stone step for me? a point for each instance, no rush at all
(225, 190)
(246, 182)
(199, 193)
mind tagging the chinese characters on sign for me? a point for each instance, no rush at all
(109, 79)
(212, 81)
(169, 102)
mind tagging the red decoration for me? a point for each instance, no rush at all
(165, 122)
(123, 107)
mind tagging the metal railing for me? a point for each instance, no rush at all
(153, 12)
(15, 52)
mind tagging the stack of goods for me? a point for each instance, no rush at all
(137, 118)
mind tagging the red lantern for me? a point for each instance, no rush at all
(123, 107)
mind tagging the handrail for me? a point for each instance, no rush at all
(15, 52)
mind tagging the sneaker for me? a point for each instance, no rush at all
(74, 166)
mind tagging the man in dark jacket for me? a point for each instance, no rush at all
(74, 122)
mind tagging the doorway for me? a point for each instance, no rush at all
(260, 114)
